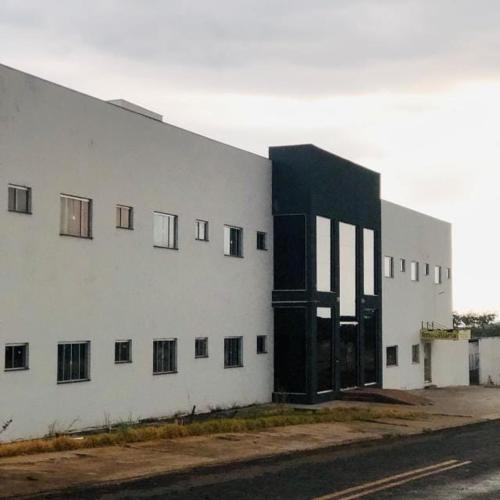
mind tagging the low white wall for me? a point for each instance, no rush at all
(489, 360)
(450, 362)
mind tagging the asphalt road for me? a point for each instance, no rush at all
(454, 464)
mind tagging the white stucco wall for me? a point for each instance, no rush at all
(489, 360)
(406, 304)
(117, 286)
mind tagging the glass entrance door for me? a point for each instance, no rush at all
(348, 355)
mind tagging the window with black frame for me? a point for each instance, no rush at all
(19, 199)
(123, 351)
(16, 357)
(75, 216)
(233, 352)
(164, 356)
(233, 241)
(73, 362)
(201, 347)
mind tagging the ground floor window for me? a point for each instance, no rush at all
(201, 347)
(16, 357)
(392, 355)
(165, 356)
(123, 351)
(233, 352)
(73, 361)
(415, 353)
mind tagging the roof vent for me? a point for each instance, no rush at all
(129, 106)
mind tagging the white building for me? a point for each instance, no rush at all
(136, 269)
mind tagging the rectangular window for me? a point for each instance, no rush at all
(233, 241)
(201, 347)
(323, 255)
(438, 279)
(124, 217)
(414, 271)
(415, 353)
(201, 230)
(369, 261)
(233, 352)
(427, 269)
(388, 267)
(165, 230)
(392, 355)
(402, 265)
(19, 199)
(261, 344)
(370, 325)
(76, 216)
(16, 357)
(448, 273)
(347, 269)
(324, 363)
(123, 351)
(164, 356)
(261, 240)
(73, 362)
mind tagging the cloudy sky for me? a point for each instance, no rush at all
(410, 88)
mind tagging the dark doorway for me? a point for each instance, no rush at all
(370, 346)
(473, 362)
(325, 351)
(348, 355)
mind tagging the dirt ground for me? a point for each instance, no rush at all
(35, 474)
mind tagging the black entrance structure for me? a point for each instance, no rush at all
(327, 277)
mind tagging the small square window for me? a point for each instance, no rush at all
(388, 267)
(261, 344)
(201, 347)
(392, 355)
(16, 357)
(415, 353)
(414, 271)
(165, 230)
(124, 217)
(19, 199)
(201, 230)
(164, 356)
(123, 351)
(261, 240)
(233, 241)
(233, 352)
(402, 265)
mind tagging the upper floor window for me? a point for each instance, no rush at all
(261, 344)
(438, 279)
(402, 265)
(201, 347)
(19, 199)
(165, 230)
(323, 255)
(369, 261)
(201, 230)
(123, 351)
(388, 267)
(233, 241)
(415, 353)
(427, 269)
(76, 216)
(73, 362)
(414, 271)
(261, 240)
(124, 217)
(16, 357)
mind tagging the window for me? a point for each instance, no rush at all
(414, 271)
(448, 273)
(261, 240)
(165, 356)
(369, 261)
(437, 275)
(233, 241)
(323, 255)
(388, 267)
(16, 357)
(392, 355)
(427, 269)
(201, 347)
(76, 216)
(233, 355)
(201, 230)
(19, 199)
(347, 269)
(124, 217)
(165, 230)
(415, 353)
(73, 362)
(261, 344)
(123, 351)
(402, 265)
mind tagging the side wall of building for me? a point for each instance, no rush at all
(489, 360)
(415, 237)
(117, 285)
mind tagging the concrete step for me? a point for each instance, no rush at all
(388, 396)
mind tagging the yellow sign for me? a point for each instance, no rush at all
(438, 334)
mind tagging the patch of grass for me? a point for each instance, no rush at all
(250, 420)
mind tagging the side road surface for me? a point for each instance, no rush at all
(50, 472)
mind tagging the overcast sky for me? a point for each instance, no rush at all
(410, 88)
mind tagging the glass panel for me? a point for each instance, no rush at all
(12, 198)
(85, 218)
(370, 346)
(21, 200)
(8, 357)
(159, 230)
(347, 267)
(414, 271)
(369, 261)
(289, 349)
(67, 362)
(325, 348)
(437, 275)
(388, 267)
(75, 361)
(348, 355)
(323, 255)
(227, 239)
(83, 361)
